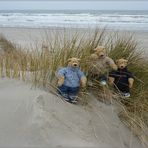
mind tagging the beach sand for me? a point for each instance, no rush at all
(34, 118)
(30, 37)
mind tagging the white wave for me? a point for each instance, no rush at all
(73, 19)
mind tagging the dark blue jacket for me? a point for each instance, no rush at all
(121, 79)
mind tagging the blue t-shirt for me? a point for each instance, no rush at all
(72, 76)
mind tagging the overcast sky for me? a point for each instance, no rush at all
(60, 5)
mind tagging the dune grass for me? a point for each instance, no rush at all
(39, 66)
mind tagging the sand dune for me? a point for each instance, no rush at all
(32, 117)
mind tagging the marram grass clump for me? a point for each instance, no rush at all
(39, 66)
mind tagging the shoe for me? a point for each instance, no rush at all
(73, 99)
(103, 82)
(126, 95)
(65, 96)
(66, 99)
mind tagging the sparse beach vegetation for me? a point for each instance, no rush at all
(39, 66)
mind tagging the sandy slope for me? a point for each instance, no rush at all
(32, 117)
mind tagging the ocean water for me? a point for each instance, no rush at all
(121, 20)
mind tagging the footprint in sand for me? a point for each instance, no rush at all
(40, 101)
